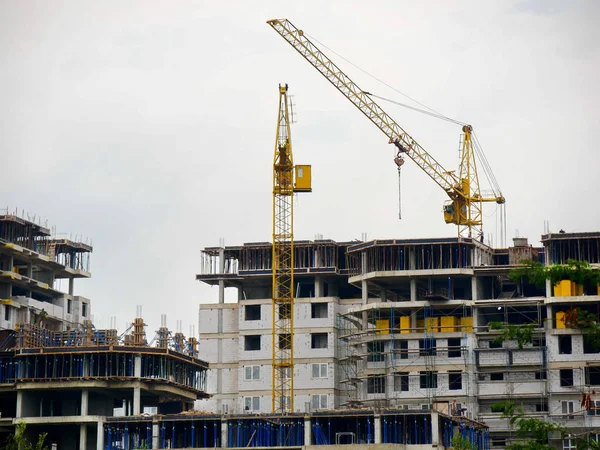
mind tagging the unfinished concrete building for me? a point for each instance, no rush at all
(87, 388)
(32, 266)
(406, 325)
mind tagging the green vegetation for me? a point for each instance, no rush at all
(532, 433)
(18, 441)
(462, 443)
(580, 272)
(522, 334)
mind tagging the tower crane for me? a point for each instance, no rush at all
(287, 180)
(464, 207)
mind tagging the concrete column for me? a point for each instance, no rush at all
(137, 401)
(548, 289)
(221, 291)
(412, 264)
(550, 322)
(11, 263)
(155, 435)
(84, 402)
(224, 424)
(137, 366)
(377, 427)
(30, 270)
(307, 432)
(365, 291)
(435, 429)
(319, 287)
(83, 436)
(474, 288)
(413, 322)
(100, 436)
(413, 289)
(19, 412)
(221, 270)
(71, 285)
(219, 361)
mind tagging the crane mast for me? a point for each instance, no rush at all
(464, 206)
(287, 180)
(283, 263)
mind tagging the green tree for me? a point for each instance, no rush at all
(18, 441)
(462, 443)
(532, 433)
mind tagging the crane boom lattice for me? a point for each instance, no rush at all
(464, 207)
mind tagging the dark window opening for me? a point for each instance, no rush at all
(318, 340)
(541, 407)
(428, 380)
(252, 343)
(84, 309)
(565, 345)
(499, 442)
(455, 380)
(376, 385)
(252, 312)
(454, 350)
(318, 310)
(402, 348)
(69, 302)
(427, 347)
(566, 377)
(497, 376)
(589, 346)
(592, 376)
(401, 381)
(376, 351)
(495, 344)
(541, 375)
(539, 342)
(6, 312)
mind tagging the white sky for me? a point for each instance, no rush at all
(149, 126)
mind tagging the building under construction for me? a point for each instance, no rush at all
(406, 327)
(86, 388)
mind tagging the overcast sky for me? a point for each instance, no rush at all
(149, 126)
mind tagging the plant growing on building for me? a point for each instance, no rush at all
(587, 322)
(18, 441)
(580, 272)
(532, 433)
(522, 334)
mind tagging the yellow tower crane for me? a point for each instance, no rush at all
(287, 180)
(464, 208)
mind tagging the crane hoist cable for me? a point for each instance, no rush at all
(464, 208)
